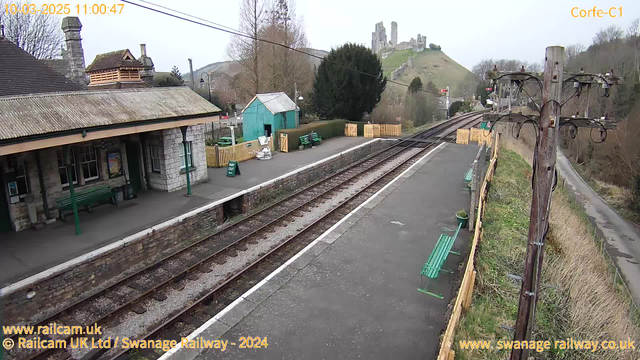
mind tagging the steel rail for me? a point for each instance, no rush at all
(158, 329)
(199, 263)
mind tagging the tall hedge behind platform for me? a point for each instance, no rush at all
(326, 129)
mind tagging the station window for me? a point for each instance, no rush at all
(89, 163)
(156, 158)
(189, 155)
(64, 179)
(21, 180)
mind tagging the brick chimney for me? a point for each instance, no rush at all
(149, 70)
(74, 55)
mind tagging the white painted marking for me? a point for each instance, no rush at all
(397, 223)
(257, 286)
(134, 237)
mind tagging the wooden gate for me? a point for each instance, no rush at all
(351, 130)
(284, 142)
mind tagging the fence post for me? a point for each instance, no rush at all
(216, 152)
(474, 195)
(469, 294)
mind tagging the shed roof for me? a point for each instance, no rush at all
(114, 60)
(21, 73)
(30, 115)
(274, 102)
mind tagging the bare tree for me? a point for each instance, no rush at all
(633, 35)
(38, 34)
(610, 34)
(481, 68)
(286, 67)
(534, 67)
(247, 50)
(571, 52)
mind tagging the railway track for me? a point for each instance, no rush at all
(134, 294)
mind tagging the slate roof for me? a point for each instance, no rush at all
(21, 73)
(274, 102)
(31, 115)
(113, 60)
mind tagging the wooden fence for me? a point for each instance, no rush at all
(351, 130)
(463, 300)
(284, 142)
(462, 136)
(378, 130)
(220, 156)
(481, 136)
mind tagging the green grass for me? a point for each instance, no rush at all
(502, 251)
(395, 60)
(429, 65)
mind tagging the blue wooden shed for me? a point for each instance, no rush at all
(267, 113)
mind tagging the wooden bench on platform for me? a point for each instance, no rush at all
(85, 198)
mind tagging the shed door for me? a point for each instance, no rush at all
(267, 130)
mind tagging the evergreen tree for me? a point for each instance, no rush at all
(416, 85)
(176, 74)
(341, 92)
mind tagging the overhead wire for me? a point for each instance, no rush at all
(235, 32)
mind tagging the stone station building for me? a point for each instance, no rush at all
(117, 138)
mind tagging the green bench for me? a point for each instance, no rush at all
(438, 256)
(304, 140)
(315, 139)
(86, 198)
(225, 141)
(468, 175)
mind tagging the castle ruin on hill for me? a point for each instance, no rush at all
(380, 43)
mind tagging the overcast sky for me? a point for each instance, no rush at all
(468, 31)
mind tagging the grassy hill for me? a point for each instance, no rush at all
(429, 65)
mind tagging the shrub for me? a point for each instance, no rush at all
(326, 129)
(462, 214)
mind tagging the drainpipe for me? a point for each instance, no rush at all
(43, 189)
(72, 194)
(186, 158)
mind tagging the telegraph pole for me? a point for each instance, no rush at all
(543, 181)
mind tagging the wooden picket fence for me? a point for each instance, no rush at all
(378, 130)
(465, 294)
(351, 130)
(462, 136)
(220, 156)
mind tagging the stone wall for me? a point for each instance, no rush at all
(172, 145)
(97, 272)
(52, 181)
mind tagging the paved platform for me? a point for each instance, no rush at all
(353, 292)
(28, 252)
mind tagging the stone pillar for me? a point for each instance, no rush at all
(74, 54)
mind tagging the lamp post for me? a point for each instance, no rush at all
(208, 84)
(295, 99)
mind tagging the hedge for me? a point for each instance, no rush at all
(326, 129)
